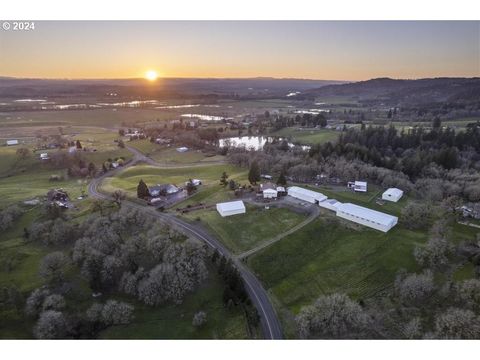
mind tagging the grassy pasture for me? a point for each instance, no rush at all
(244, 231)
(209, 174)
(308, 136)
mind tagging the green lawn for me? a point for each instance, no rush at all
(169, 155)
(244, 231)
(309, 137)
(210, 174)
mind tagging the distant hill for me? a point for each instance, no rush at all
(393, 91)
(16, 87)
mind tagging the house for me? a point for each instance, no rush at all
(162, 190)
(44, 156)
(12, 142)
(57, 195)
(270, 194)
(269, 190)
(306, 195)
(195, 182)
(182, 149)
(368, 217)
(330, 204)
(357, 186)
(231, 208)
(267, 177)
(392, 194)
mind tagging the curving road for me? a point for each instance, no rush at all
(268, 318)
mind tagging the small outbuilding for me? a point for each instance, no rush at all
(12, 142)
(231, 208)
(392, 194)
(358, 186)
(306, 195)
(182, 149)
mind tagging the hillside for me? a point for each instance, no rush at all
(399, 91)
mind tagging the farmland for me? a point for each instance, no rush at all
(326, 257)
(242, 232)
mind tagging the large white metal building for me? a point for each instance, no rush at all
(368, 217)
(392, 194)
(231, 208)
(306, 195)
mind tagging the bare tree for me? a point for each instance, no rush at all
(457, 324)
(414, 289)
(117, 313)
(333, 316)
(199, 319)
(50, 325)
(53, 267)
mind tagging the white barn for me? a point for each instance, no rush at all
(306, 195)
(368, 217)
(330, 204)
(231, 208)
(392, 194)
(12, 142)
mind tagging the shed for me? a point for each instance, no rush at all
(392, 194)
(231, 208)
(360, 186)
(12, 142)
(306, 195)
(182, 149)
(368, 217)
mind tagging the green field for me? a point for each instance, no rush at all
(244, 231)
(326, 256)
(308, 137)
(210, 174)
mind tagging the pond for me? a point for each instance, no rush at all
(252, 142)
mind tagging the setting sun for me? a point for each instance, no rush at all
(151, 75)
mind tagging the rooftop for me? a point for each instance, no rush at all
(365, 213)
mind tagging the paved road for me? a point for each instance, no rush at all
(268, 318)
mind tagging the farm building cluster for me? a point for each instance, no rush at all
(358, 214)
(355, 213)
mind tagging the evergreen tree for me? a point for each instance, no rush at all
(281, 179)
(223, 179)
(79, 145)
(142, 190)
(254, 173)
(437, 123)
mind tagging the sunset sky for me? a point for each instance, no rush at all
(315, 49)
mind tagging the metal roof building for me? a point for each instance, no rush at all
(392, 194)
(306, 195)
(231, 208)
(330, 204)
(368, 217)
